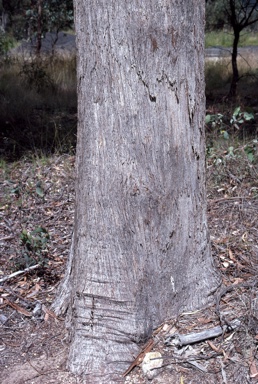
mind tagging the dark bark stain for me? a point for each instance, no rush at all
(174, 36)
(154, 44)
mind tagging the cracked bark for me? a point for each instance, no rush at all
(141, 247)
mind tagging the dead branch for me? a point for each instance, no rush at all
(19, 273)
(191, 338)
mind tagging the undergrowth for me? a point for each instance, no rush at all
(232, 153)
(38, 105)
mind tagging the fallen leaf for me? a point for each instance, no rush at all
(35, 291)
(39, 191)
(230, 254)
(18, 308)
(253, 369)
(216, 349)
(50, 313)
(244, 237)
(203, 320)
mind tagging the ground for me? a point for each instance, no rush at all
(36, 215)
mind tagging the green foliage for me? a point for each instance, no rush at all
(218, 39)
(56, 15)
(216, 17)
(225, 39)
(221, 15)
(221, 124)
(219, 121)
(221, 153)
(34, 248)
(239, 117)
(251, 150)
(6, 43)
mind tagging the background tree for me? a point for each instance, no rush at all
(140, 252)
(26, 16)
(239, 15)
(215, 15)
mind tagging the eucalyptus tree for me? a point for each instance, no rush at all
(140, 252)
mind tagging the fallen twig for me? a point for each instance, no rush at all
(7, 238)
(19, 273)
(180, 340)
(224, 199)
(18, 308)
(138, 360)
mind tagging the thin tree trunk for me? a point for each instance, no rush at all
(141, 246)
(235, 73)
(39, 27)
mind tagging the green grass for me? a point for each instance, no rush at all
(225, 39)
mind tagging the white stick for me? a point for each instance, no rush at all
(18, 273)
(180, 340)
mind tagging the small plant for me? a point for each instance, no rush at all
(226, 140)
(239, 118)
(219, 121)
(214, 120)
(36, 76)
(250, 149)
(34, 248)
(6, 43)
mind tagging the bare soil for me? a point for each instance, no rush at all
(39, 193)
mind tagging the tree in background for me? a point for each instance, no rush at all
(215, 15)
(241, 15)
(238, 15)
(140, 251)
(33, 18)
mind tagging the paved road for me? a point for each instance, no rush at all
(64, 44)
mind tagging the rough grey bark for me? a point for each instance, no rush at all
(141, 247)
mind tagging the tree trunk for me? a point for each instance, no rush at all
(4, 20)
(39, 27)
(140, 251)
(235, 74)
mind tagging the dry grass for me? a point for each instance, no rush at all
(38, 105)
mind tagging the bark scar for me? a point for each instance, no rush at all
(92, 313)
(151, 97)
